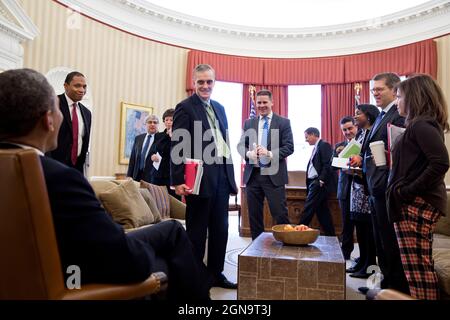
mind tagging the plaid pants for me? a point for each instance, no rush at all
(415, 239)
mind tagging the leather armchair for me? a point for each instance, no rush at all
(30, 264)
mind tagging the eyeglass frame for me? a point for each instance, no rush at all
(377, 90)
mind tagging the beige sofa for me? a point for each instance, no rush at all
(132, 205)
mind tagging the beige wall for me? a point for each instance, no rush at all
(119, 67)
(443, 77)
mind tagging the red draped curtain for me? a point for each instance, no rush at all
(337, 76)
(279, 97)
(338, 100)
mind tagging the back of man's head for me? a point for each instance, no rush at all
(25, 96)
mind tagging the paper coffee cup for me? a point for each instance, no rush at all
(379, 156)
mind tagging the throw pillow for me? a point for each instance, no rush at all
(161, 197)
(126, 205)
(151, 202)
(100, 186)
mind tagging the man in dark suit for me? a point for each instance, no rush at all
(73, 138)
(265, 144)
(319, 182)
(200, 131)
(376, 177)
(140, 166)
(86, 234)
(349, 130)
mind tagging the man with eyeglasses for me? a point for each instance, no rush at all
(140, 166)
(200, 128)
(376, 177)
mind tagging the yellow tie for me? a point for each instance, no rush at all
(222, 148)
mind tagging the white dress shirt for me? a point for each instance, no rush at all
(80, 123)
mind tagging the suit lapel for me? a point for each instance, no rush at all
(387, 117)
(273, 125)
(200, 111)
(64, 106)
(219, 118)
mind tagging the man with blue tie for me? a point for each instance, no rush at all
(320, 180)
(376, 177)
(140, 166)
(265, 173)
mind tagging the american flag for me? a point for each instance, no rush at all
(252, 90)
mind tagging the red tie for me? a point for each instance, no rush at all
(74, 153)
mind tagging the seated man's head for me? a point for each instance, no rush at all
(29, 113)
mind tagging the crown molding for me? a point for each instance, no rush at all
(24, 29)
(138, 17)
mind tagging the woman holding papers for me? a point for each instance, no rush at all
(416, 192)
(160, 153)
(365, 115)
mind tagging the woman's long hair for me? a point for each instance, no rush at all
(424, 98)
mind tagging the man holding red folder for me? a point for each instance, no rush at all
(200, 132)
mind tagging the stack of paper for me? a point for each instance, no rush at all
(394, 133)
(352, 148)
(193, 173)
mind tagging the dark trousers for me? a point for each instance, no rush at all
(174, 255)
(386, 245)
(366, 244)
(316, 202)
(258, 187)
(209, 216)
(347, 228)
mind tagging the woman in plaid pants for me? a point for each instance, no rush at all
(416, 191)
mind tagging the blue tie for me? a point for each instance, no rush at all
(265, 134)
(377, 122)
(144, 152)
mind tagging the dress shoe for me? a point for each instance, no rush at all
(223, 282)
(361, 275)
(351, 270)
(363, 290)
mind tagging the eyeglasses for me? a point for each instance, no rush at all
(202, 82)
(152, 122)
(377, 90)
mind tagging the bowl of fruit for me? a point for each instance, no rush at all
(295, 234)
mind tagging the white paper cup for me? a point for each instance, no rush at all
(379, 156)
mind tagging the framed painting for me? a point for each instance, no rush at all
(132, 124)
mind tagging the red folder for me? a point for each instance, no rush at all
(190, 173)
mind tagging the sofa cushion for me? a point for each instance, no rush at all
(161, 197)
(100, 186)
(126, 205)
(443, 225)
(151, 202)
(442, 266)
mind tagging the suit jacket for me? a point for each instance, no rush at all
(135, 159)
(344, 180)
(322, 163)
(377, 177)
(190, 117)
(86, 234)
(161, 146)
(283, 147)
(65, 141)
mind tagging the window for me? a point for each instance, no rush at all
(229, 94)
(304, 112)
